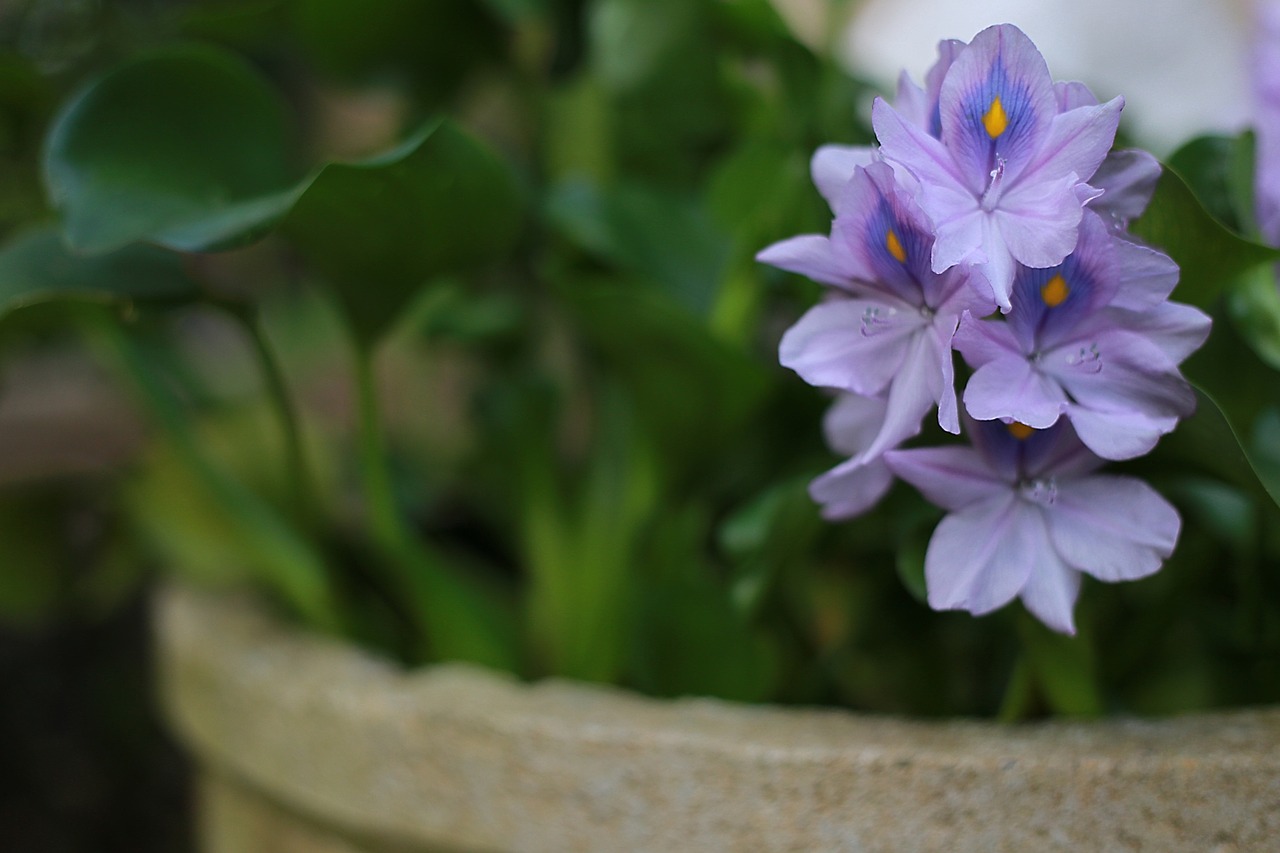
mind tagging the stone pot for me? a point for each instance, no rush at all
(306, 744)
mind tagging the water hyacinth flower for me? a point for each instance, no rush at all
(1066, 350)
(1027, 515)
(1006, 179)
(855, 485)
(1266, 108)
(888, 331)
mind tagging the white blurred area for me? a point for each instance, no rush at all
(1181, 64)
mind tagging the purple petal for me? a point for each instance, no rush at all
(1000, 64)
(851, 488)
(948, 408)
(914, 390)
(1146, 276)
(812, 256)
(833, 165)
(981, 341)
(1051, 591)
(852, 344)
(951, 477)
(1177, 329)
(1119, 435)
(852, 422)
(1039, 220)
(1121, 371)
(1077, 142)
(1072, 95)
(1127, 179)
(1114, 528)
(1011, 388)
(921, 154)
(981, 557)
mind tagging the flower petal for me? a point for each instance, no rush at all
(951, 477)
(851, 488)
(1127, 179)
(1011, 388)
(981, 341)
(1051, 591)
(812, 256)
(1177, 329)
(1146, 276)
(978, 559)
(852, 344)
(852, 423)
(996, 104)
(913, 391)
(1114, 528)
(1077, 142)
(833, 165)
(1118, 435)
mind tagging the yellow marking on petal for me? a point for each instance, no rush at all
(1020, 430)
(1055, 291)
(894, 245)
(995, 120)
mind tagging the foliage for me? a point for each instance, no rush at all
(511, 392)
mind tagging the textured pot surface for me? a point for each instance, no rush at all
(309, 745)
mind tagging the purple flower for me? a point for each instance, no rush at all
(1026, 516)
(1266, 98)
(1092, 339)
(889, 331)
(1005, 181)
(833, 165)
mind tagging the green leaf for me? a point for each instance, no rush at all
(1062, 668)
(1219, 170)
(36, 267)
(662, 237)
(1210, 255)
(186, 146)
(378, 230)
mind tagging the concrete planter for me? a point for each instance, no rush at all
(308, 745)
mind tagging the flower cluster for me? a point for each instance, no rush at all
(991, 221)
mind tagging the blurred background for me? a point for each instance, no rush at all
(84, 762)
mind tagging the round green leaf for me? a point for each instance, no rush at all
(36, 267)
(186, 146)
(377, 230)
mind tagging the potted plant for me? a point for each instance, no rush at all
(496, 389)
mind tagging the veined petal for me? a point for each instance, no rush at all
(851, 488)
(852, 344)
(981, 341)
(1121, 371)
(951, 477)
(1146, 276)
(1114, 528)
(921, 154)
(996, 105)
(1177, 329)
(833, 165)
(1051, 592)
(913, 391)
(1127, 179)
(1076, 143)
(1039, 220)
(1011, 388)
(978, 559)
(812, 256)
(1118, 435)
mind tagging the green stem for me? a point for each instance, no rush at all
(386, 522)
(301, 487)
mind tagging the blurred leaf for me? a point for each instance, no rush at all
(1254, 306)
(379, 229)
(1219, 170)
(36, 267)
(186, 146)
(658, 236)
(1211, 257)
(765, 537)
(1062, 668)
(430, 46)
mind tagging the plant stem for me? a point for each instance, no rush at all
(301, 486)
